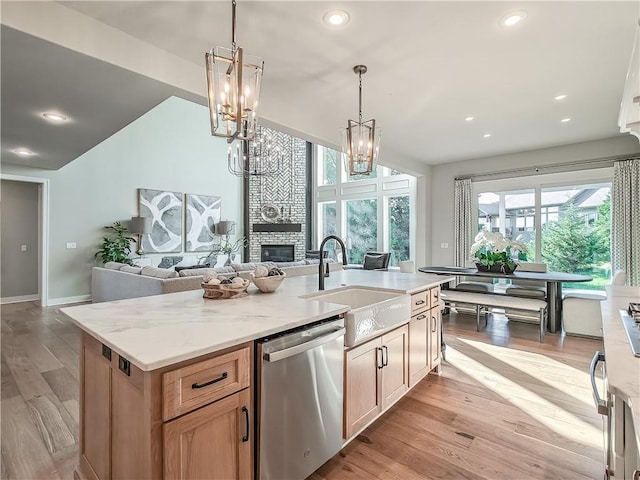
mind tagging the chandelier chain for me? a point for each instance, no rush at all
(233, 27)
(360, 98)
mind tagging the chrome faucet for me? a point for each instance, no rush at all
(322, 274)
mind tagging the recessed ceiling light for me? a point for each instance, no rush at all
(336, 18)
(513, 18)
(565, 120)
(468, 119)
(25, 152)
(560, 97)
(56, 117)
(486, 135)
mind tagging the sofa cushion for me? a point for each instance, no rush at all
(158, 272)
(194, 272)
(250, 266)
(179, 268)
(131, 269)
(291, 264)
(114, 265)
(228, 269)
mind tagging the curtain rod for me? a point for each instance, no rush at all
(558, 167)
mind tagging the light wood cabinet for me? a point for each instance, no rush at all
(212, 442)
(419, 354)
(123, 413)
(376, 376)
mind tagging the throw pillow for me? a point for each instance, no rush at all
(130, 269)
(167, 262)
(158, 272)
(114, 265)
(195, 272)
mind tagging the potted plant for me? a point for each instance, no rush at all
(116, 246)
(492, 252)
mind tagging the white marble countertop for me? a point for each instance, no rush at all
(153, 332)
(623, 368)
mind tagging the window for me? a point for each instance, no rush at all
(369, 212)
(574, 226)
(362, 228)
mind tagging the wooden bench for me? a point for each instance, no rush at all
(525, 308)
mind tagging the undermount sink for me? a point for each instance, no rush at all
(372, 311)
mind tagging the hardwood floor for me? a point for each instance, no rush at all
(505, 407)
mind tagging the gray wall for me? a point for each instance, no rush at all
(443, 177)
(168, 148)
(18, 226)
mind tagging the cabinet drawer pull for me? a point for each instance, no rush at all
(211, 382)
(421, 317)
(380, 358)
(385, 356)
(434, 326)
(419, 302)
(245, 410)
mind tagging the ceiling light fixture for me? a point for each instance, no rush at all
(486, 135)
(336, 18)
(513, 18)
(360, 140)
(24, 152)
(565, 120)
(56, 117)
(469, 119)
(560, 97)
(233, 88)
(260, 157)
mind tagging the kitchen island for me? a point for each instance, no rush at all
(144, 361)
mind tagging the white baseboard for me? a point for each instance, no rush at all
(65, 300)
(21, 298)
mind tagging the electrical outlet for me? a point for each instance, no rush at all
(71, 245)
(23, 248)
(444, 245)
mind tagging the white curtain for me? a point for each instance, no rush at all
(625, 220)
(462, 221)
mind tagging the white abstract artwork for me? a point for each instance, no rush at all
(202, 213)
(165, 210)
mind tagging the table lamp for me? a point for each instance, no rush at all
(140, 226)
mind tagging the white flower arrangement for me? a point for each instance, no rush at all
(492, 248)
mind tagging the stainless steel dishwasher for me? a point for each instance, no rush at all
(299, 399)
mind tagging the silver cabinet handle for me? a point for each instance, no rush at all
(303, 347)
(601, 404)
(636, 475)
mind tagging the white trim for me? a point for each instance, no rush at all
(66, 300)
(43, 231)
(19, 299)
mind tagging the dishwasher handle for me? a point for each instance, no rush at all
(600, 403)
(303, 347)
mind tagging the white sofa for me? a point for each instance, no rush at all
(117, 281)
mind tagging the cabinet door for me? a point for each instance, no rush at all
(95, 452)
(418, 347)
(212, 442)
(395, 374)
(362, 386)
(435, 326)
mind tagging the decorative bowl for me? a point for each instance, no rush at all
(268, 284)
(224, 292)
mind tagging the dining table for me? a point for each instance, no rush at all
(553, 282)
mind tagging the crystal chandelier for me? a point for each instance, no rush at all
(255, 158)
(233, 88)
(360, 140)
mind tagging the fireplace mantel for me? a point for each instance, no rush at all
(277, 227)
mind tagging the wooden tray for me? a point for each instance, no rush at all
(225, 292)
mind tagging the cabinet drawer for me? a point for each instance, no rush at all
(434, 293)
(420, 301)
(195, 385)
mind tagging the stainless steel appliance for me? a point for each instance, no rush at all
(299, 400)
(605, 408)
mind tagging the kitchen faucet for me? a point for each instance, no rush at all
(321, 271)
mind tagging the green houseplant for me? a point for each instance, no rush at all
(116, 246)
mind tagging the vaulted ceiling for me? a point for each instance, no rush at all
(431, 65)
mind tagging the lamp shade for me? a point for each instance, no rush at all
(224, 227)
(140, 225)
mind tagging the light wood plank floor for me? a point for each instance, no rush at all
(505, 407)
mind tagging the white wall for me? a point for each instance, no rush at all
(168, 148)
(443, 178)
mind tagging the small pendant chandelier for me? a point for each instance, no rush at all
(360, 140)
(259, 157)
(233, 88)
